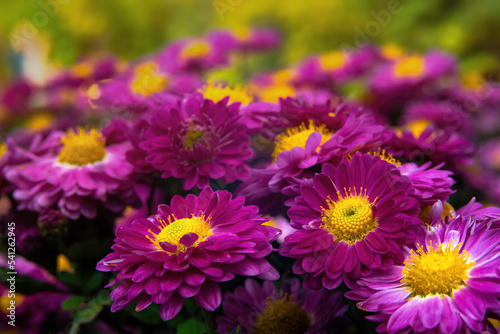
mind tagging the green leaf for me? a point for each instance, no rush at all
(95, 281)
(236, 330)
(191, 326)
(72, 302)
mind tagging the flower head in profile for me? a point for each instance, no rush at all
(351, 219)
(197, 141)
(186, 249)
(75, 172)
(265, 309)
(449, 283)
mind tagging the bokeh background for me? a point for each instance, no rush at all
(62, 31)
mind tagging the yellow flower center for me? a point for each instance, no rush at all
(350, 218)
(274, 93)
(473, 80)
(192, 136)
(283, 77)
(177, 228)
(94, 92)
(242, 33)
(384, 156)
(441, 270)
(332, 61)
(5, 301)
(148, 79)
(82, 70)
(39, 121)
(392, 51)
(282, 316)
(82, 147)
(297, 137)
(416, 127)
(216, 92)
(425, 212)
(409, 67)
(3, 150)
(195, 49)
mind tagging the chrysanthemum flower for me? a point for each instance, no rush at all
(449, 284)
(75, 173)
(422, 140)
(197, 141)
(265, 309)
(442, 114)
(254, 40)
(334, 68)
(186, 249)
(132, 90)
(352, 219)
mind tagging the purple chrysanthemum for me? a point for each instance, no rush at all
(265, 309)
(352, 219)
(186, 249)
(422, 140)
(197, 141)
(449, 284)
(74, 172)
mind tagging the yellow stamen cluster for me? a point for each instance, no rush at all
(332, 61)
(192, 136)
(383, 155)
(350, 218)
(297, 137)
(148, 79)
(409, 67)
(282, 316)
(242, 33)
(425, 212)
(216, 92)
(416, 127)
(82, 147)
(5, 302)
(39, 121)
(439, 271)
(274, 93)
(195, 49)
(392, 51)
(177, 228)
(3, 150)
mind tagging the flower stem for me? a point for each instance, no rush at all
(208, 321)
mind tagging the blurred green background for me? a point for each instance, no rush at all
(131, 28)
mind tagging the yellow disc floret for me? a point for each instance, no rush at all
(195, 49)
(282, 316)
(3, 150)
(275, 92)
(177, 228)
(148, 79)
(216, 92)
(82, 147)
(350, 218)
(332, 61)
(439, 271)
(425, 212)
(409, 67)
(297, 137)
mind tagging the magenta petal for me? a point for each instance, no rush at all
(450, 319)
(209, 296)
(404, 316)
(145, 270)
(430, 311)
(364, 253)
(224, 241)
(338, 257)
(188, 239)
(168, 247)
(172, 307)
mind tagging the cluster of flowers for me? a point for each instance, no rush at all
(343, 164)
